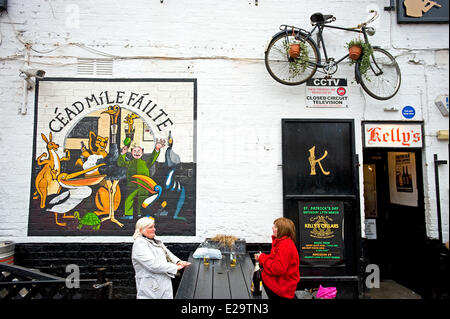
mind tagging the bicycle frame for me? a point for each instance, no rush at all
(291, 68)
(320, 40)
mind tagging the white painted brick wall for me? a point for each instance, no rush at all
(239, 177)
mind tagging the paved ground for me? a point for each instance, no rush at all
(391, 290)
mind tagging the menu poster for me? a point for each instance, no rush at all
(321, 231)
(403, 179)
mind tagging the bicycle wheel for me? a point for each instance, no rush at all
(382, 79)
(288, 70)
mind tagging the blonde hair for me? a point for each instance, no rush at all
(285, 227)
(141, 224)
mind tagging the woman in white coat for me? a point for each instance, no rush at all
(153, 263)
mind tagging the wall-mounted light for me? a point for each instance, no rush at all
(442, 104)
(391, 6)
(442, 135)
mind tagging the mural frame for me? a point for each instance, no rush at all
(175, 182)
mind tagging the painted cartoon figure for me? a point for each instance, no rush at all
(129, 119)
(113, 172)
(76, 188)
(46, 180)
(130, 130)
(172, 185)
(97, 146)
(89, 157)
(141, 167)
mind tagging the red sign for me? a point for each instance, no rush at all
(392, 135)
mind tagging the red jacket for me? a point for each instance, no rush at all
(280, 269)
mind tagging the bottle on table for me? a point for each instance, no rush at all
(256, 286)
(233, 259)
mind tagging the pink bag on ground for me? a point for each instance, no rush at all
(326, 292)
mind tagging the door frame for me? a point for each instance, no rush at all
(347, 276)
(413, 283)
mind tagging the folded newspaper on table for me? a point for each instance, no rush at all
(210, 253)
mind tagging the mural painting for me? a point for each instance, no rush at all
(107, 152)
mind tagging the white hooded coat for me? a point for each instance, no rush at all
(153, 271)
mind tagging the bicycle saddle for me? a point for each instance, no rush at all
(319, 17)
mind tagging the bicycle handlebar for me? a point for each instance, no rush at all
(372, 19)
(332, 19)
(329, 21)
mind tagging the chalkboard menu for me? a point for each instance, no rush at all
(321, 232)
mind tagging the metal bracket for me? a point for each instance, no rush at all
(438, 196)
(99, 286)
(391, 6)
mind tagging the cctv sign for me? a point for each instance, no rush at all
(326, 93)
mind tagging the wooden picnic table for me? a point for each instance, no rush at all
(218, 280)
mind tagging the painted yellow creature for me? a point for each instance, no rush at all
(46, 180)
(97, 146)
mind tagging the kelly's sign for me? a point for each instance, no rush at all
(393, 135)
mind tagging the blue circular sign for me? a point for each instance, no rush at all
(408, 112)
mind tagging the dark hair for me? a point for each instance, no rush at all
(285, 227)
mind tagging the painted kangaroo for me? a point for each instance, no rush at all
(46, 180)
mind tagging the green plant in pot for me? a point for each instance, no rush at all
(298, 57)
(360, 50)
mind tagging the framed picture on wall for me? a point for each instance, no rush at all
(419, 11)
(370, 191)
(147, 133)
(402, 178)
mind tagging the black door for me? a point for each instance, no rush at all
(321, 196)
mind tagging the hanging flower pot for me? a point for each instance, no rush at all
(354, 52)
(294, 50)
(364, 52)
(355, 49)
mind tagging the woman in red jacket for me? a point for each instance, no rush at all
(280, 268)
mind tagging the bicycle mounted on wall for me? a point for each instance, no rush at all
(381, 80)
